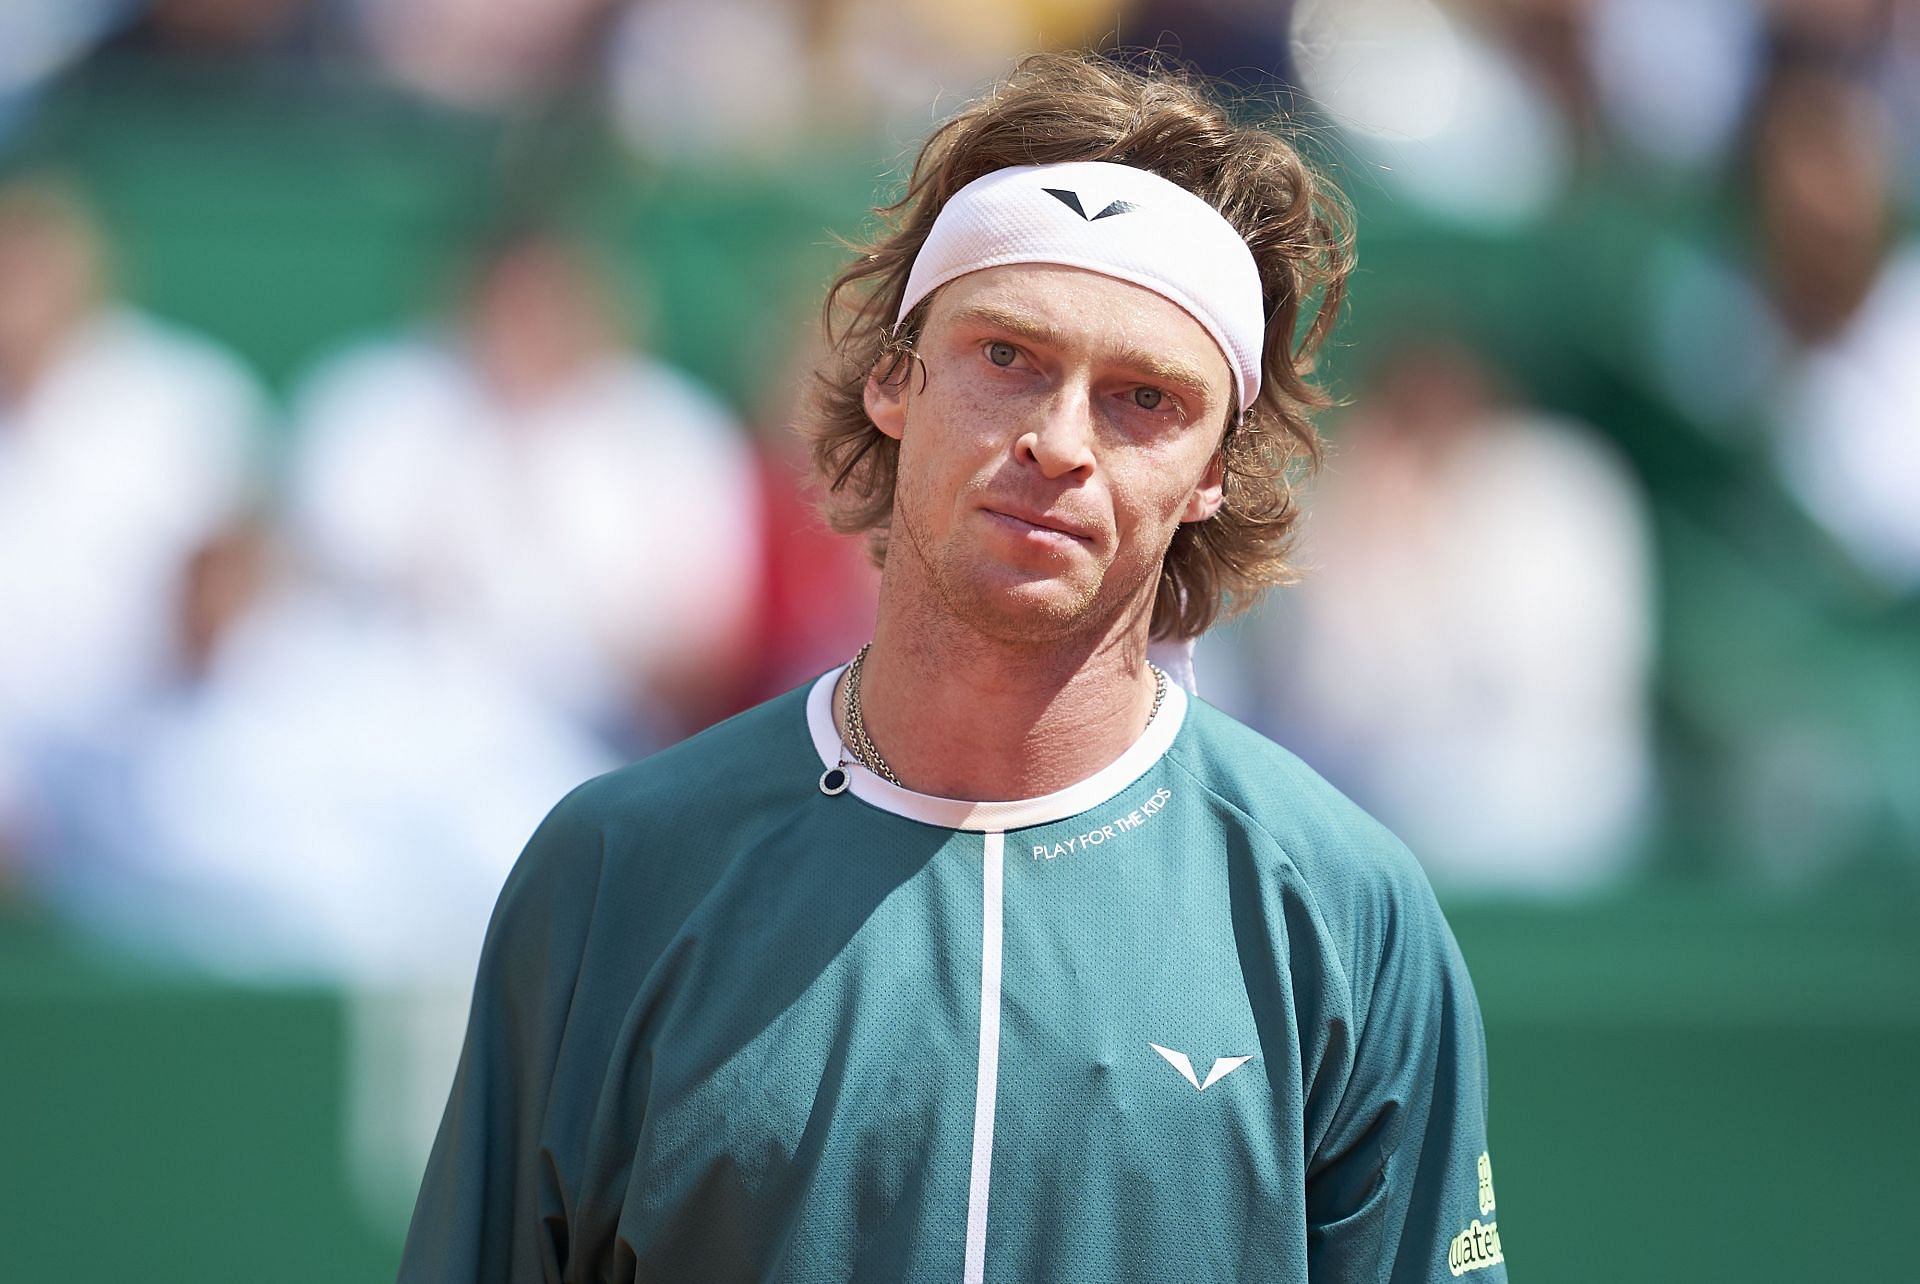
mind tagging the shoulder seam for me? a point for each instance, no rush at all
(1312, 901)
(573, 991)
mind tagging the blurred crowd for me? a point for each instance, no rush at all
(269, 688)
(288, 673)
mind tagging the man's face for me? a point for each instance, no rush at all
(1058, 428)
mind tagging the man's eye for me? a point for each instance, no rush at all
(1148, 398)
(1002, 354)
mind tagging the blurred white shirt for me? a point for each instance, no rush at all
(1848, 428)
(610, 531)
(340, 799)
(1469, 654)
(119, 462)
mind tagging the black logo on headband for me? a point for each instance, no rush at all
(1072, 201)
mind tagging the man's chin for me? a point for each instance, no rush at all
(1029, 608)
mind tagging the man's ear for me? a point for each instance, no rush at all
(886, 394)
(1211, 492)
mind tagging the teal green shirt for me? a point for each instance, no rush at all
(1195, 1018)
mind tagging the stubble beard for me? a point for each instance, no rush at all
(1003, 613)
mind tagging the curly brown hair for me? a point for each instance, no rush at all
(1081, 107)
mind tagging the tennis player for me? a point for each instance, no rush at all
(993, 955)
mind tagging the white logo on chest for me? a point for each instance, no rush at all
(1222, 1067)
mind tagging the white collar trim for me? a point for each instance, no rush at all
(991, 817)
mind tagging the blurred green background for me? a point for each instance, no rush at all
(1704, 1072)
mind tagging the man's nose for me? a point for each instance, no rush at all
(1060, 443)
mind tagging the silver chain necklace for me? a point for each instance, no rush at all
(834, 780)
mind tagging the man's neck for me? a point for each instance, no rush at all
(960, 714)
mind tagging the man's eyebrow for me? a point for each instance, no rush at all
(1164, 369)
(1024, 325)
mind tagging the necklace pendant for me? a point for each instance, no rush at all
(834, 780)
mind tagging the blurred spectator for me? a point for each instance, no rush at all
(1847, 418)
(586, 514)
(1443, 115)
(482, 53)
(1673, 80)
(520, 528)
(1843, 279)
(1902, 81)
(339, 797)
(221, 30)
(822, 589)
(690, 78)
(1243, 42)
(1469, 653)
(1814, 344)
(337, 801)
(1850, 31)
(126, 448)
(1549, 40)
(41, 38)
(1822, 172)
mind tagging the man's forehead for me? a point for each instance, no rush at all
(1086, 308)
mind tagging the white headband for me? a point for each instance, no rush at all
(1112, 219)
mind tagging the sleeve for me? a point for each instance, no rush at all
(492, 1205)
(1401, 1186)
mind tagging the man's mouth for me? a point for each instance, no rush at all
(1043, 526)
